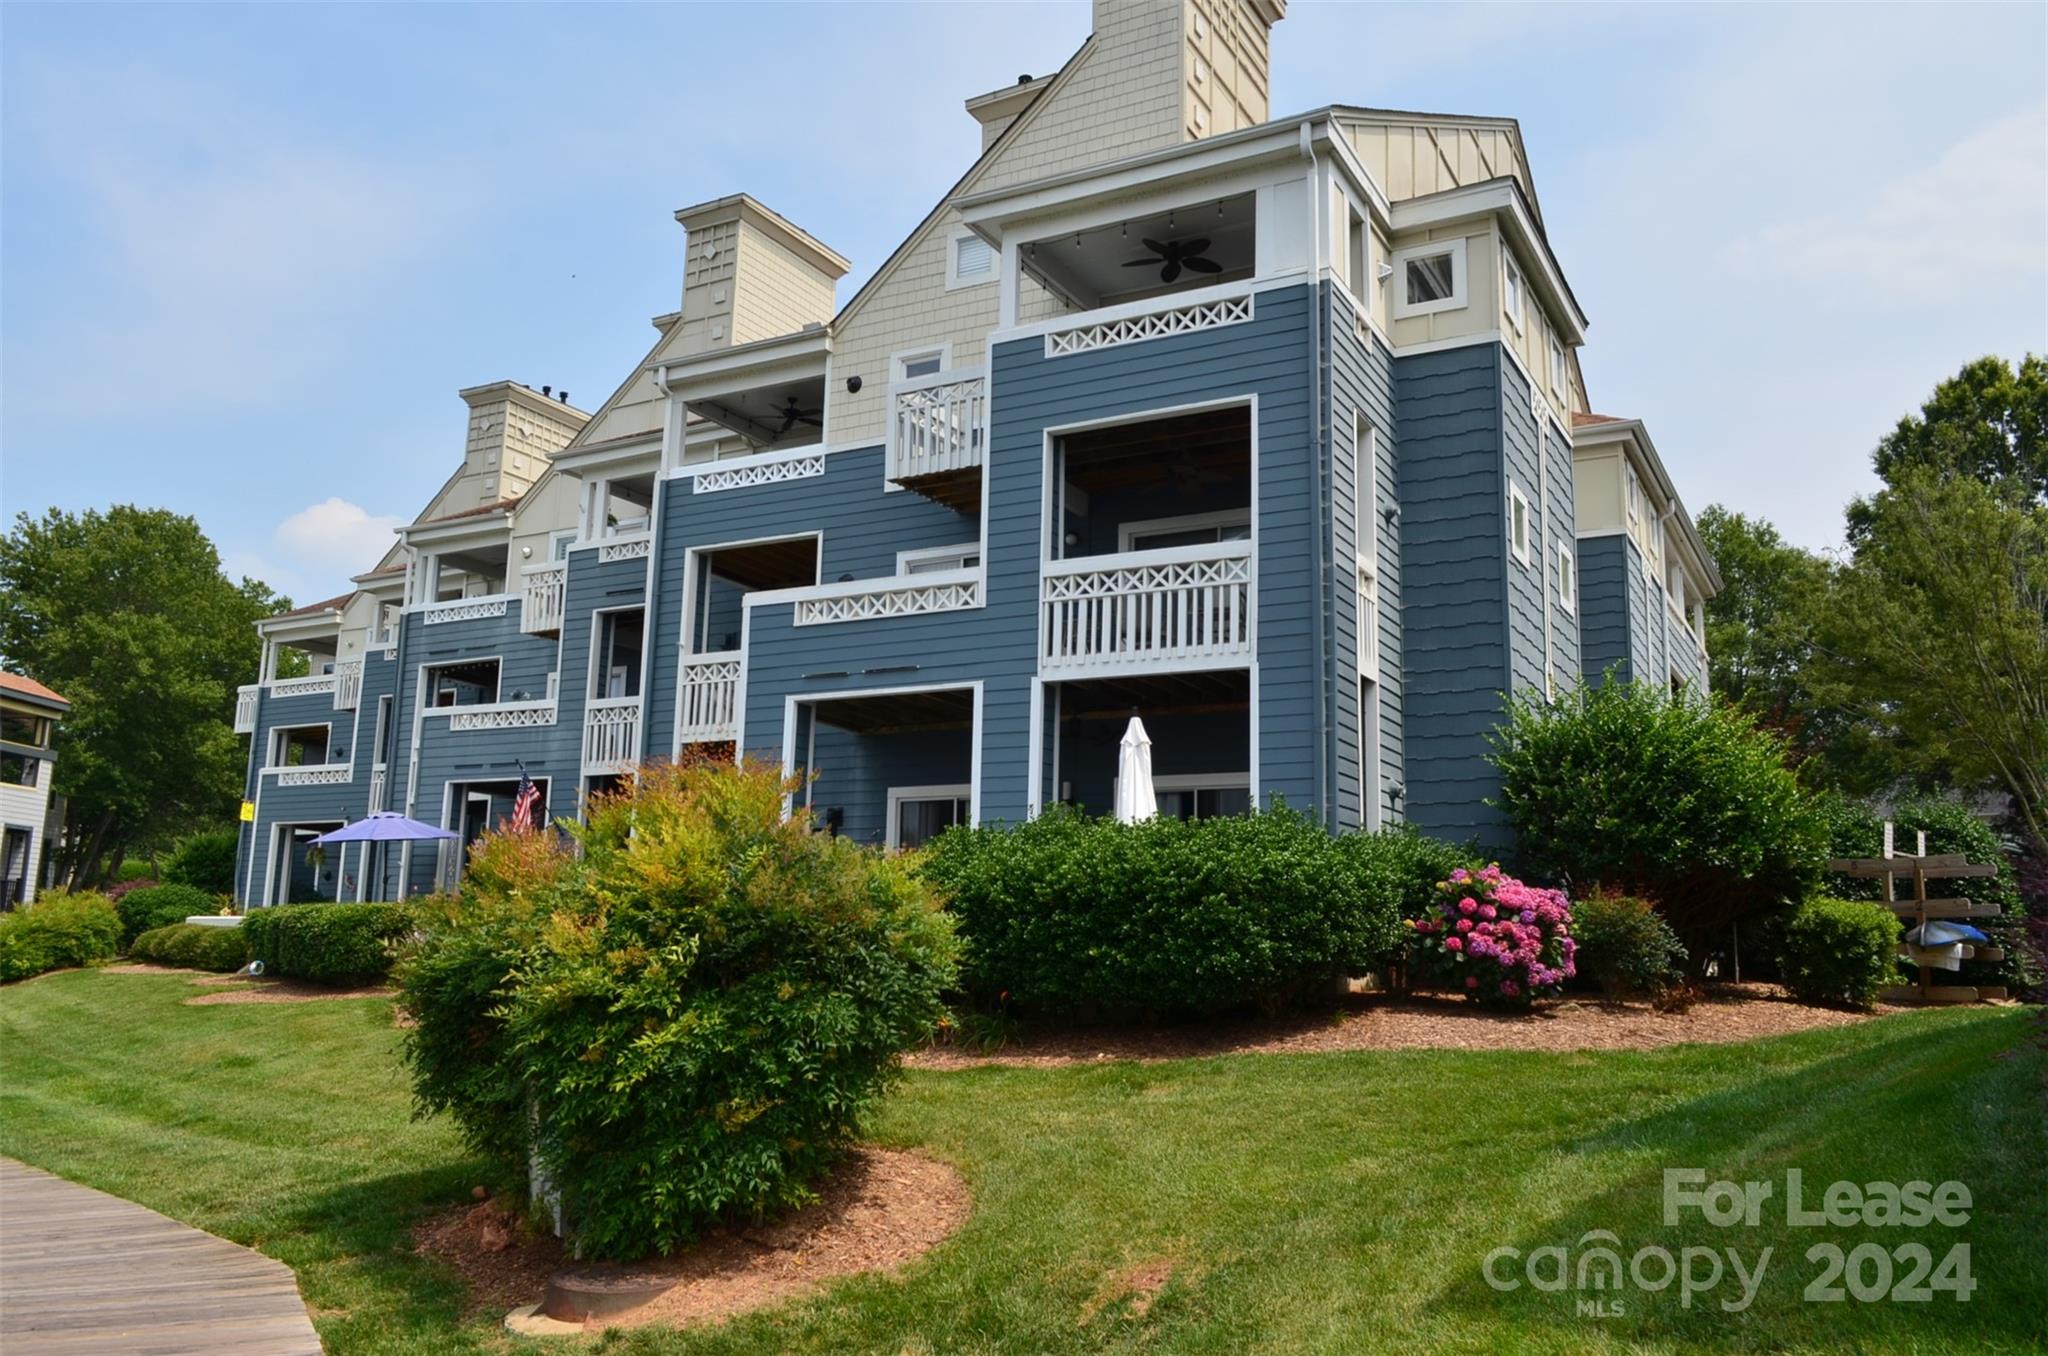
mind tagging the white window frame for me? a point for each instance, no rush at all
(1567, 580)
(1513, 290)
(1460, 296)
(1559, 380)
(903, 357)
(559, 544)
(1141, 527)
(954, 278)
(1518, 508)
(939, 557)
(1197, 782)
(900, 794)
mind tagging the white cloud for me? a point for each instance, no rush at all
(1938, 232)
(333, 540)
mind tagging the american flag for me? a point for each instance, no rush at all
(524, 804)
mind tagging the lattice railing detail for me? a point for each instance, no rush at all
(544, 594)
(332, 774)
(1137, 614)
(937, 427)
(633, 548)
(890, 599)
(507, 717)
(611, 734)
(1205, 315)
(462, 610)
(320, 685)
(707, 696)
(760, 473)
(348, 684)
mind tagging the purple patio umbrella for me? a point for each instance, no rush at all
(385, 826)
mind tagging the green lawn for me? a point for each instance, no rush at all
(1308, 1202)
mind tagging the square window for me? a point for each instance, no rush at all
(1429, 278)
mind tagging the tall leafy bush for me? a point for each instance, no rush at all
(1678, 799)
(57, 930)
(205, 861)
(690, 1018)
(1070, 914)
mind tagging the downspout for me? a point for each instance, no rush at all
(1325, 676)
(1543, 547)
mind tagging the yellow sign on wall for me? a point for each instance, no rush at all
(248, 812)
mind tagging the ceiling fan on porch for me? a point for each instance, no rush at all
(1176, 255)
(794, 414)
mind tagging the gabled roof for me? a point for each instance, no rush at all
(334, 604)
(502, 506)
(1581, 419)
(22, 686)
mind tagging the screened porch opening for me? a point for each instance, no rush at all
(1152, 484)
(1199, 725)
(299, 745)
(896, 769)
(725, 575)
(1154, 254)
(302, 871)
(469, 683)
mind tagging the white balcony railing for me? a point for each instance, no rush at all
(1185, 607)
(611, 734)
(320, 685)
(245, 708)
(706, 697)
(348, 684)
(896, 596)
(321, 774)
(544, 595)
(498, 716)
(464, 609)
(937, 424)
(1155, 318)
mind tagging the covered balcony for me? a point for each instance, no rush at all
(1153, 569)
(1202, 739)
(718, 579)
(938, 432)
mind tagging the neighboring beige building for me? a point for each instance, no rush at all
(29, 713)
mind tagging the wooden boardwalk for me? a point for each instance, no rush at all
(82, 1272)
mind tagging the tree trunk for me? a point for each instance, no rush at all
(89, 856)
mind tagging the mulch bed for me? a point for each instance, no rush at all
(1729, 1012)
(878, 1211)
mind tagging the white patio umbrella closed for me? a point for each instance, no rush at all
(1135, 800)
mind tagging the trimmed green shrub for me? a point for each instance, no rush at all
(689, 1019)
(134, 868)
(327, 943)
(1069, 914)
(1680, 800)
(57, 930)
(193, 945)
(1839, 951)
(1857, 830)
(157, 906)
(1413, 863)
(1626, 945)
(205, 861)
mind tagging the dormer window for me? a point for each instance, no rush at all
(1429, 278)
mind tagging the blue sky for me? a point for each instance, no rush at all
(249, 254)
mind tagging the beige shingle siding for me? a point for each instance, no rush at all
(776, 292)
